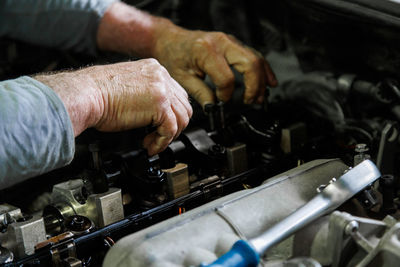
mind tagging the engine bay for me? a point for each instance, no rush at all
(337, 104)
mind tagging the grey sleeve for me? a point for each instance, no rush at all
(63, 24)
(36, 133)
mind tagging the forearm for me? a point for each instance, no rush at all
(80, 96)
(124, 96)
(125, 29)
(187, 55)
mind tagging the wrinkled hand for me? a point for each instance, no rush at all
(189, 55)
(141, 93)
(123, 96)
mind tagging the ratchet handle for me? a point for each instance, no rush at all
(242, 254)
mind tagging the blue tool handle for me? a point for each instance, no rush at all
(241, 254)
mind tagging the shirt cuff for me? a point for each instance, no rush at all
(36, 133)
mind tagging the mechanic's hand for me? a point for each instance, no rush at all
(189, 55)
(123, 96)
(141, 93)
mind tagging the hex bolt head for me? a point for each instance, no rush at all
(361, 148)
(351, 228)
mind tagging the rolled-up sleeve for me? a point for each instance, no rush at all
(36, 134)
(63, 24)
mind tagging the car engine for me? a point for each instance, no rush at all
(238, 170)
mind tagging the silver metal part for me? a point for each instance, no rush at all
(72, 262)
(335, 194)
(293, 137)
(6, 255)
(178, 180)
(108, 207)
(21, 237)
(66, 195)
(295, 262)
(237, 159)
(345, 81)
(361, 148)
(361, 155)
(70, 259)
(9, 214)
(351, 227)
(205, 233)
(103, 209)
(388, 147)
(377, 243)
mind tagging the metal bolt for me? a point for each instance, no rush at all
(361, 148)
(6, 256)
(216, 150)
(351, 228)
(321, 188)
(154, 171)
(78, 221)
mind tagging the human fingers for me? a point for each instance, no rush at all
(159, 140)
(255, 69)
(221, 75)
(182, 118)
(271, 81)
(155, 143)
(261, 95)
(197, 89)
(271, 78)
(270, 75)
(180, 106)
(182, 96)
(252, 68)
